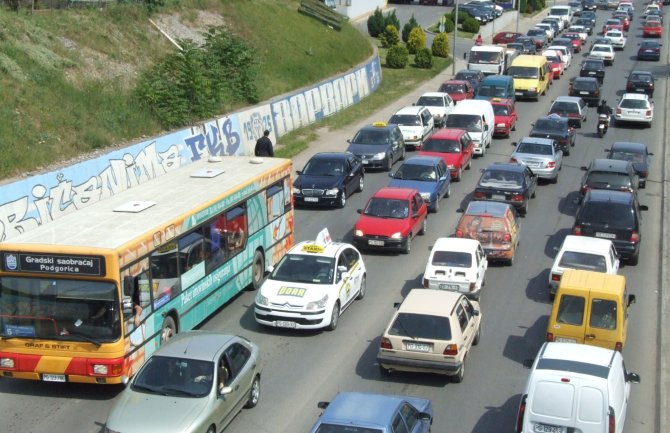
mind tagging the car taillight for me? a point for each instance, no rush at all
(425, 283)
(385, 343)
(520, 415)
(513, 160)
(555, 277)
(517, 197)
(479, 194)
(459, 233)
(507, 238)
(550, 337)
(618, 346)
(648, 113)
(634, 237)
(643, 174)
(611, 421)
(551, 164)
(451, 350)
(618, 111)
(472, 286)
(577, 231)
(584, 189)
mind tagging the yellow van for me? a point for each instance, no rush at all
(532, 75)
(590, 308)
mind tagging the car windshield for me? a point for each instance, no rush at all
(564, 107)
(421, 326)
(409, 171)
(454, 259)
(585, 85)
(591, 65)
(345, 428)
(627, 156)
(470, 122)
(304, 268)
(452, 88)
(608, 180)
(646, 78)
(584, 261)
(431, 101)
(523, 72)
(649, 45)
(549, 125)
(442, 145)
(493, 178)
(553, 59)
(387, 208)
(371, 136)
(535, 149)
(406, 119)
(516, 46)
(501, 110)
(484, 57)
(492, 91)
(466, 76)
(639, 104)
(611, 213)
(324, 167)
(175, 377)
(536, 32)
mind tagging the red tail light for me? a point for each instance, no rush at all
(517, 197)
(385, 343)
(611, 421)
(618, 346)
(425, 283)
(634, 236)
(479, 194)
(520, 415)
(507, 238)
(618, 111)
(648, 113)
(555, 277)
(451, 350)
(551, 164)
(577, 231)
(513, 160)
(584, 189)
(550, 337)
(459, 233)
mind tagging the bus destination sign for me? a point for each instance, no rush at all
(53, 264)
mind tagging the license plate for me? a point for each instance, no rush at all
(648, 51)
(639, 90)
(284, 324)
(444, 286)
(498, 196)
(418, 347)
(312, 199)
(365, 161)
(53, 377)
(518, 93)
(592, 73)
(544, 428)
(605, 235)
(376, 243)
(564, 340)
(533, 164)
(583, 93)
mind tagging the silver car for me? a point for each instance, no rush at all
(540, 155)
(197, 382)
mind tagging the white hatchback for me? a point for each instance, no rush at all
(635, 107)
(416, 123)
(617, 38)
(458, 265)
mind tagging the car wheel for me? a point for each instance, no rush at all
(361, 290)
(424, 226)
(254, 393)
(458, 377)
(211, 429)
(534, 193)
(402, 155)
(334, 317)
(257, 270)
(448, 193)
(524, 208)
(634, 259)
(361, 184)
(168, 330)
(408, 245)
(343, 199)
(510, 262)
(389, 164)
(478, 336)
(555, 180)
(436, 206)
(469, 166)
(459, 174)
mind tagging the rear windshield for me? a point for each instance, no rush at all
(616, 214)
(454, 259)
(431, 101)
(571, 310)
(501, 179)
(584, 261)
(405, 119)
(535, 148)
(441, 145)
(634, 103)
(591, 65)
(603, 314)
(564, 107)
(501, 110)
(585, 85)
(641, 77)
(627, 156)
(492, 91)
(608, 180)
(470, 122)
(421, 326)
(345, 428)
(549, 125)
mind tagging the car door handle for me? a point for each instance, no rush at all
(237, 387)
(590, 336)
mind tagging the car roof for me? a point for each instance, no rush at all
(331, 155)
(429, 301)
(448, 133)
(363, 408)
(410, 109)
(493, 208)
(574, 99)
(577, 352)
(393, 192)
(422, 160)
(634, 96)
(201, 345)
(627, 145)
(455, 244)
(537, 140)
(613, 165)
(586, 244)
(438, 94)
(600, 195)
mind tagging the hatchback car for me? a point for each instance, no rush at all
(613, 215)
(439, 103)
(540, 155)
(328, 179)
(572, 107)
(505, 37)
(472, 76)
(428, 174)
(576, 39)
(604, 52)
(528, 43)
(652, 29)
(384, 414)
(635, 108)
(511, 183)
(594, 68)
(416, 124)
(391, 218)
(458, 89)
(555, 60)
(556, 128)
(458, 265)
(431, 332)
(495, 225)
(610, 174)
(586, 23)
(539, 36)
(641, 82)
(586, 89)
(649, 50)
(454, 146)
(617, 38)
(196, 382)
(637, 154)
(566, 51)
(520, 48)
(505, 115)
(579, 30)
(311, 285)
(378, 145)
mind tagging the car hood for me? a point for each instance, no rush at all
(371, 225)
(424, 186)
(296, 294)
(366, 149)
(317, 182)
(145, 413)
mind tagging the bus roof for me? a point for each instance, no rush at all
(178, 194)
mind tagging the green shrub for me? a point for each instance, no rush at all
(397, 57)
(440, 47)
(376, 23)
(462, 16)
(449, 24)
(408, 28)
(392, 19)
(423, 58)
(416, 40)
(470, 25)
(390, 37)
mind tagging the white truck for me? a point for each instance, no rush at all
(491, 59)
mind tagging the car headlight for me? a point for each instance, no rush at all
(500, 125)
(397, 235)
(380, 155)
(358, 233)
(332, 192)
(451, 167)
(425, 196)
(296, 190)
(261, 300)
(317, 304)
(532, 89)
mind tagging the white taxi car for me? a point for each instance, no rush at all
(311, 285)
(416, 124)
(458, 265)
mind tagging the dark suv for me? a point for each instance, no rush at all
(612, 174)
(556, 128)
(613, 215)
(594, 68)
(586, 88)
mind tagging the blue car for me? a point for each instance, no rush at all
(374, 413)
(428, 174)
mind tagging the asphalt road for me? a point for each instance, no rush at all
(302, 368)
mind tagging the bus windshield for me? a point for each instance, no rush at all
(60, 309)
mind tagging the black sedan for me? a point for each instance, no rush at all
(528, 43)
(636, 153)
(649, 50)
(507, 182)
(586, 88)
(640, 82)
(474, 77)
(609, 174)
(594, 68)
(328, 179)
(556, 128)
(378, 145)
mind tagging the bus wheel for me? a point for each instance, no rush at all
(168, 330)
(257, 270)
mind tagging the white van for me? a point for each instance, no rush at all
(475, 116)
(575, 388)
(563, 12)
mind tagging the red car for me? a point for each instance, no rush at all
(505, 115)
(555, 60)
(652, 29)
(458, 89)
(576, 41)
(391, 218)
(623, 17)
(608, 27)
(454, 146)
(505, 37)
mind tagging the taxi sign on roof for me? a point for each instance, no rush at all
(320, 243)
(381, 124)
(496, 99)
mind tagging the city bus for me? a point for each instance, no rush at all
(89, 296)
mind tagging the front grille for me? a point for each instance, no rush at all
(313, 192)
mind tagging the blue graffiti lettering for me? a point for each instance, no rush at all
(232, 137)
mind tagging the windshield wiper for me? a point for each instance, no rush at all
(172, 390)
(80, 336)
(402, 327)
(150, 389)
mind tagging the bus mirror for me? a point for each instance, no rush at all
(127, 306)
(128, 285)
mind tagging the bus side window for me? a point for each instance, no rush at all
(275, 199)
(236, 232)
(136, 291)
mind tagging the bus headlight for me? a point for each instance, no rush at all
(321, 303)
(261, 300)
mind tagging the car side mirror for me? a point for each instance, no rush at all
(643, 207)
(415, 215)
(359, 211)
(475, 313)
(323, 404)
(607, 150)
(650, 154)
(391, 174)
(584, 168)
(514, 143)
(349, 140)
(396, 305)
(443, 178)
(528, 363)
(632, 377)
(459, 210)
(298, 172)
(630, 301)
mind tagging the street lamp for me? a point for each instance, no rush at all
(518, 12)
(453, 51)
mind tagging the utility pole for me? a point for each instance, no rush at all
(453, 51)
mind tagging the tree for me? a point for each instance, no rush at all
(390, 37)
(440, 47)
(416, 40)
(392, 19)
(409, 25)
(376, 23)
(397, 57)
(423, 58)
